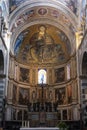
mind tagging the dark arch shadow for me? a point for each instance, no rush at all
(84, 64)
(1, 62)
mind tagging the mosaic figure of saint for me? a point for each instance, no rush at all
(39, 42)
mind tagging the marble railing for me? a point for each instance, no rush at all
(40, 128)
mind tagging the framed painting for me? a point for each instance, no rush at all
(23, 96)
(24, 75)
(60, 96)
(59, 75)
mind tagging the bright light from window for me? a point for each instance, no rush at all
(42, 76)
(68, 71)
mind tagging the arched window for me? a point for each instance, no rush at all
(42, 76)
(84, 64)
(1, 62)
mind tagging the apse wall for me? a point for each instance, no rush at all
(61, 86)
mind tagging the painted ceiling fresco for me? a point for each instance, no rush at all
(71, 4)
(39, 12)
(42, 44)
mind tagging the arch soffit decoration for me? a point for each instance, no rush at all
(56, 4)
(58, 7)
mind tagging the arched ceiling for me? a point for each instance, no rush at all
(58, 16)
(71, 4)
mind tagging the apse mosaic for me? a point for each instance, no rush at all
(19, 41)
(42, 43)
(71, 4)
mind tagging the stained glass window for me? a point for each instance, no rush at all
(42, 76)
